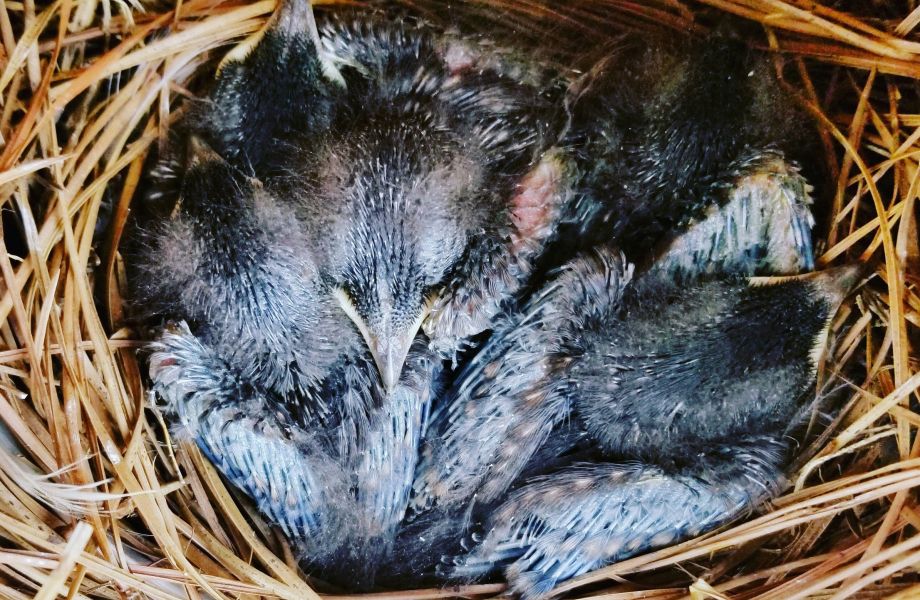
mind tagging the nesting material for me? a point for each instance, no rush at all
(97, 501)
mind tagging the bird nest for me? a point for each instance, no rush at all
(97, 501)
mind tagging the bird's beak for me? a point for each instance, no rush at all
(388, 345)
(389, 351)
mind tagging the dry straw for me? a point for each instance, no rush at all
(88, 87)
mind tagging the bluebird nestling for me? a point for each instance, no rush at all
(675, 384)
(669, 133)
(340, 189)
(273, 382)
(687, 396)
(666, 174)
(691, 395)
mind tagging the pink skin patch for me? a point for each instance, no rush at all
(534, 205)
(534, 210)
(458, 58)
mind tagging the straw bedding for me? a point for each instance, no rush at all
(97, 501)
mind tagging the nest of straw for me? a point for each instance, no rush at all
(96, 501)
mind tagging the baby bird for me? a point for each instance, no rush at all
(322, 448)
(341, 188)
(686, 394)
(683, 186)
(674, 383)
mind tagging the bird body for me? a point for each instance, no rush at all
(687, 396)
(669, 133)
(720, 359)
(340, 189)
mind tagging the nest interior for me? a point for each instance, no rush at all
(97, 502)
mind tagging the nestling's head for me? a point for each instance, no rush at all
(388, 206)
(409, 179)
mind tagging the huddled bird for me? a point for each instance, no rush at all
(346, 206)
(686, 396)
(443, 311)
(685, 185)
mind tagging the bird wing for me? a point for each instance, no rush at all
(507, 401)
(764, 227)
(289, 472)
(582, 517)
(381, 445)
